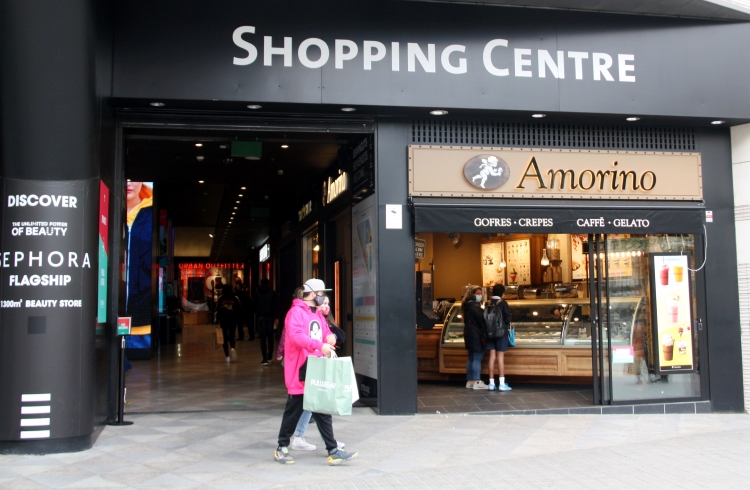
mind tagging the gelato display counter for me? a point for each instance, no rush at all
(553, 337)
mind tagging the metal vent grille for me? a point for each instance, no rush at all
(531, 135)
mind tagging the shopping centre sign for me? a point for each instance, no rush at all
(441, 171)
(429, 55)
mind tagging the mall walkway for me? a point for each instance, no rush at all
(228, 450)
(192, 376)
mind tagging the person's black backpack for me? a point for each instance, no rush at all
(494, 321)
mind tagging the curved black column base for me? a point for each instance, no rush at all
(48, 446)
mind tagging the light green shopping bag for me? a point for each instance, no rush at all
(328, 385)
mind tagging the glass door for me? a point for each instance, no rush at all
(601, 341)
(646, 325)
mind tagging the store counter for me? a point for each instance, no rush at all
(553, 338)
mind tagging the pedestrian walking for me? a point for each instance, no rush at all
(298, 440)
(228, 312)
(305, 333)
(266, 311)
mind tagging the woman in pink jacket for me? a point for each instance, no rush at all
(305, 333)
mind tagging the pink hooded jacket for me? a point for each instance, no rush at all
(305, 334)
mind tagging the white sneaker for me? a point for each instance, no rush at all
(300, 444)
(227, 359)
(470, 384)
(234, 355)
(479, 385)
(340, 444)
(504, 387)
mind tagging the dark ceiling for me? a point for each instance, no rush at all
(263, 193)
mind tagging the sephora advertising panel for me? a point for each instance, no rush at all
(48, 300)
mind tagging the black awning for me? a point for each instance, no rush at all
(502, 216)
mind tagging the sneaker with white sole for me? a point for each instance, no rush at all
(234, 355)
(504, 387)
(281, 454)
(338, 456)
(227, 359)
(300, 444)
(479, 385)
(491, 387)
(470, 384)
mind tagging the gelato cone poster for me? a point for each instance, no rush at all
(672, 313)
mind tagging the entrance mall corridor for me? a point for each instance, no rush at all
(192, 376)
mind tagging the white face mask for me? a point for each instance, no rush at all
(478, 297)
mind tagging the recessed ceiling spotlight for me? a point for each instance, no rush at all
(233, 212)
(237, 202)
(718, 122)
(348, 109)
(631, 119)
(280, 172)
(254, 106)
(157, 104)
(243, 188)
(200, 181)
(223, 147)
(128, 180)
(285, 146)
(200, 158)
(539, 116)
(439, 112)
(199, 145)
(235, 207)
(252, 158)
(239, 195)
(210, 235)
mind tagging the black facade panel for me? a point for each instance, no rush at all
(48, 140)
(722, 298)
(397, 341)
(47, 88)
(680, 67)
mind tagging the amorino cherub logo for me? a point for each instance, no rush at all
(486, 172)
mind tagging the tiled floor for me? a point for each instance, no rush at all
(453, 397)
(193, 376)
(234, 450)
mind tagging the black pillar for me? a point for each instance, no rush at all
(48, 165)
(397, 338)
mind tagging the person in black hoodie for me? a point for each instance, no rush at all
(228, 314)
(474, 336)
(266, 312)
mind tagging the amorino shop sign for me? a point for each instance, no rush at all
(441, 171)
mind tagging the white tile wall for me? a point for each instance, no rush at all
(741, 183)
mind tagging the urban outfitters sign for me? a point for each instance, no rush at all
(552, 173)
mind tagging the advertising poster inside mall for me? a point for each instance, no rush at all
(672, 312)
(139, 200)
(364, 282)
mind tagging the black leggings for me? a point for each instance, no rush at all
(292, 413)
(228, 338)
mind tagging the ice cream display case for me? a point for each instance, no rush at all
(553, 336)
